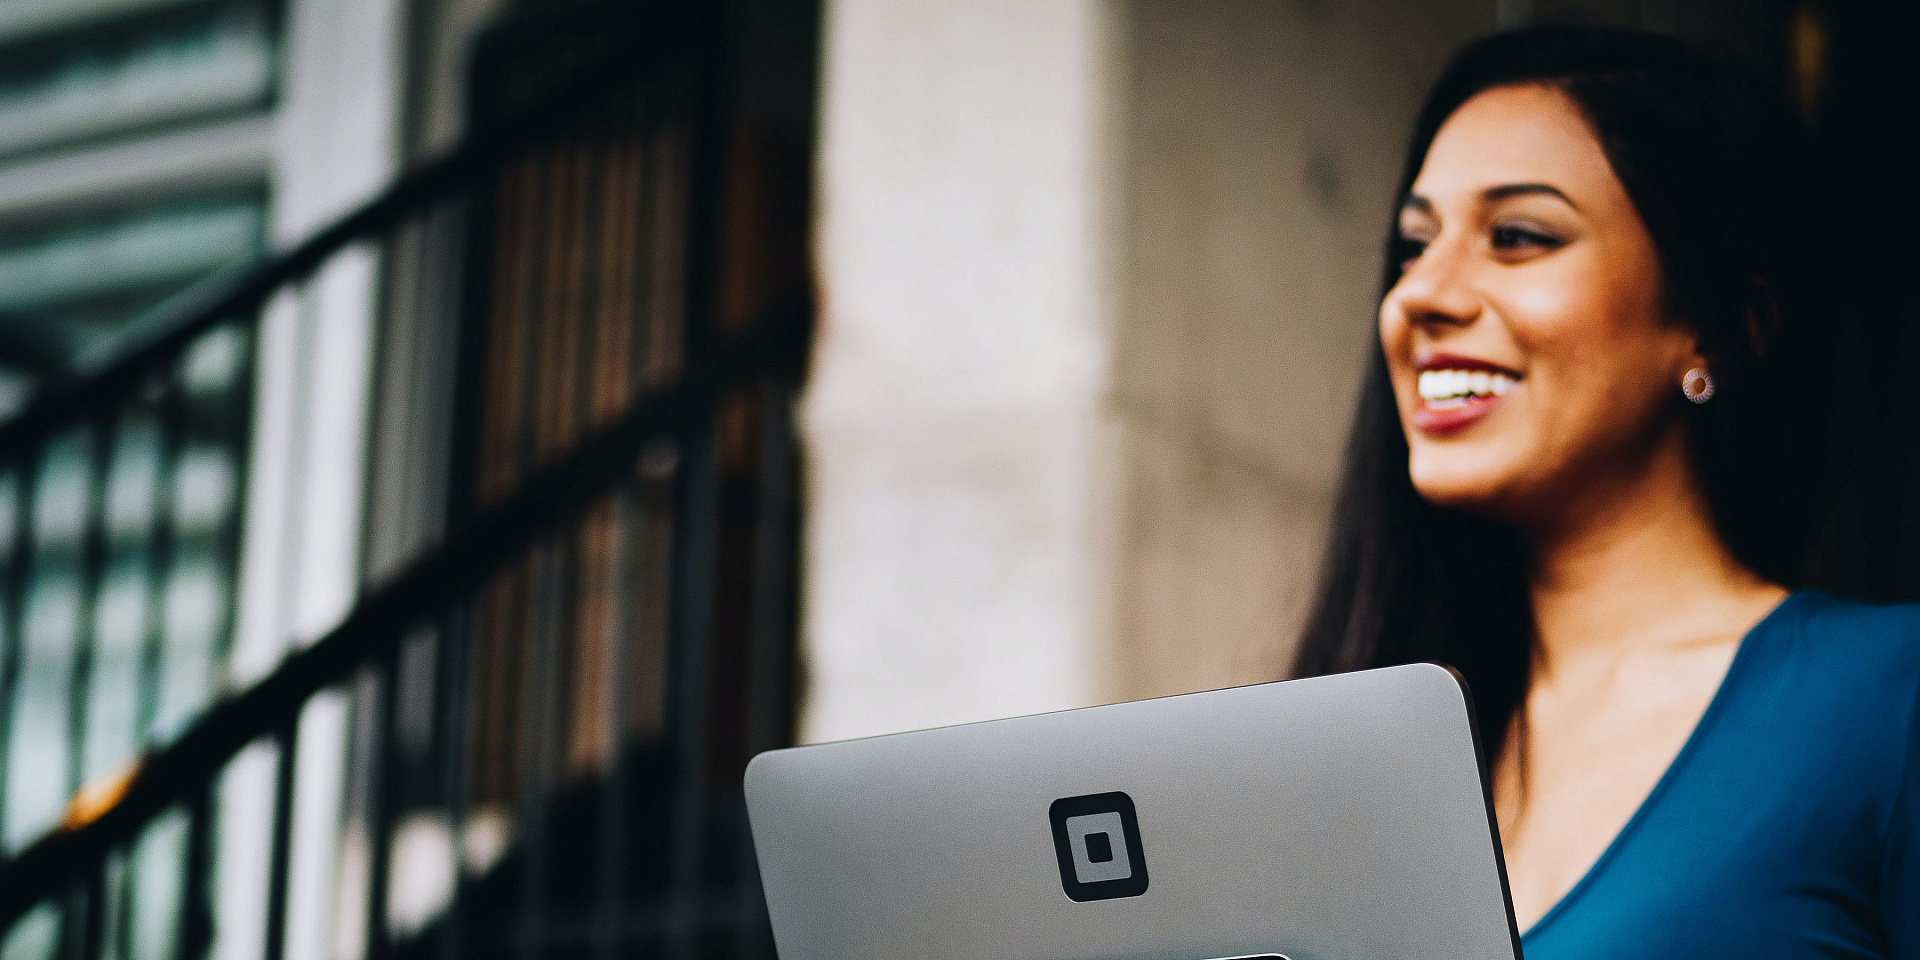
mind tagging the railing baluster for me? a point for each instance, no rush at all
(123, 906)
(73, 919)
(169, 427)
(280, 852)
(688, 637)
(537, 730)
(117, 907)
(227, 535)
(80, 923)
(158, 559)
(194, 930)
(18, 576)
(382, 788)
(94, 923)
(610, 890)
(170, 422)
(98, 449)
(455, 649)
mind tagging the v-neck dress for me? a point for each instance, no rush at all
(1788, 826)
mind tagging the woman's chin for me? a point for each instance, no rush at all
(1466, 488)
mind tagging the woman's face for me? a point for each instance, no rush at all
(1531, 355)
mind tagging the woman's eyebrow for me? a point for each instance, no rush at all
(1506, 190)
(1417, 203)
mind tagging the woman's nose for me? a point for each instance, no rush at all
(1436, 288)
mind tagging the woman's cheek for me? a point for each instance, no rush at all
(1545, 315)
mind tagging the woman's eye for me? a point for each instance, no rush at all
(1522, 238)
(1409, 250)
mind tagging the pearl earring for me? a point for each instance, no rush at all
(1697, 385)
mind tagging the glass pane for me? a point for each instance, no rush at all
(34, 937)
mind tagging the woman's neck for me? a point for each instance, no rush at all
(1644, 568)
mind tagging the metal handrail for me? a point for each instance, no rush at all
(775, 346)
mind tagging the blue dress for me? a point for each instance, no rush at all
(1789, 824)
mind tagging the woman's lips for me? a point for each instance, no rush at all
(1452, 419)
(1455, 392)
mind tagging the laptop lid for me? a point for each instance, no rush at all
(1334, 817)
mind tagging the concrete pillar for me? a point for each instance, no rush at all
(951, 418)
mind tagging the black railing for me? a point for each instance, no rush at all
(561, 492)
(561, 683)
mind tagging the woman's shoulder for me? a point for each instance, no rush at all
(1836, 684)
(1894, 624)
(1852, 642)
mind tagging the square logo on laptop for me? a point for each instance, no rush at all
(1097, 840)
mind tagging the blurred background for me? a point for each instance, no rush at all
(442, 440)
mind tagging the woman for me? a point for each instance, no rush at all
(1586, 467)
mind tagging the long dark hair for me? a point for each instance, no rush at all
(1722, 174)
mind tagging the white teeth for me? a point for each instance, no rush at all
(1459, 385)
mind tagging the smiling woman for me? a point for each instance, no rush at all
(1586, 469)
(1524, 259)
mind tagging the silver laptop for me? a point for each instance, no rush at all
(1336, 817)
